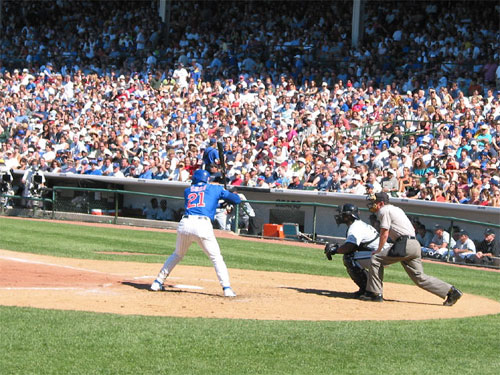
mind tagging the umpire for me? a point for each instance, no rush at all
(394, 224)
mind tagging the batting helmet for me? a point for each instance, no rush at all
(347, 213)
(200, 175)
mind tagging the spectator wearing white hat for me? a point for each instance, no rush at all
(299, 167)
(296, 183)
(483, 136)
(357, 185)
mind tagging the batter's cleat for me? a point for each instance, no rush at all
(156, 286)
(452, 297)
(370, 296)
(228, 292)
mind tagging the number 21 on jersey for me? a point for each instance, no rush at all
(196, 200)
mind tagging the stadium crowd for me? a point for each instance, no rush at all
(103, 88)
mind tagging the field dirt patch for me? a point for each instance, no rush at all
(122, 288)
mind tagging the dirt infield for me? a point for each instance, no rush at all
(121, 288)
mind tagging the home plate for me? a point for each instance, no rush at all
(183, 286)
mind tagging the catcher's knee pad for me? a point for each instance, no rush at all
(357, 273)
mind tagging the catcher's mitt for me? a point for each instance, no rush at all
(330, 250)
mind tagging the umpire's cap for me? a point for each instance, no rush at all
(200, 175)
(381, 197)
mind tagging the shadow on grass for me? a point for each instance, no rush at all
(346, 295)
(168, 289)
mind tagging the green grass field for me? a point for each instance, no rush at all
(34, 341)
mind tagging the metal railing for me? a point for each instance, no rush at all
(314, 235)
(115, 193)
(54, 202)
(452, 220)
(37, 203)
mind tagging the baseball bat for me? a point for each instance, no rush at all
(222, 161)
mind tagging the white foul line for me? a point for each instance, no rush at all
(20, 260)
(183, 286)
(41, 288)
(80, 290)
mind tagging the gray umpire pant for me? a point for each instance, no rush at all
(412, 263)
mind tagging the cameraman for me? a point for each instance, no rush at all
(5, 184)
(246, 217)
(361, 240)
(34, 181)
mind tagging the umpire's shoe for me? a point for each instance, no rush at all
(156, 286)
(452, 297)
(370, 296)
(359, 293)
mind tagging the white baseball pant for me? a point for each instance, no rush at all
(196, 229)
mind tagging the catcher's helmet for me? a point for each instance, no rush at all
(347, 213)
(200, 175)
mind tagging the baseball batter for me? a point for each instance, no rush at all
(200, 202)
(361, 240)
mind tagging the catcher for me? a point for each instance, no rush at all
(361, 240)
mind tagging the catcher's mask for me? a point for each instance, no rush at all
(347, 214)
(371, 203)
(373, 199)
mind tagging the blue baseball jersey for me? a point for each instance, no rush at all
(210, 155)
(202, 199)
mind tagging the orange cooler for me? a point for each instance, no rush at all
(273, 230)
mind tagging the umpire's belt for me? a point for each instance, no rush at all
(410, 237)
(196, 217)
